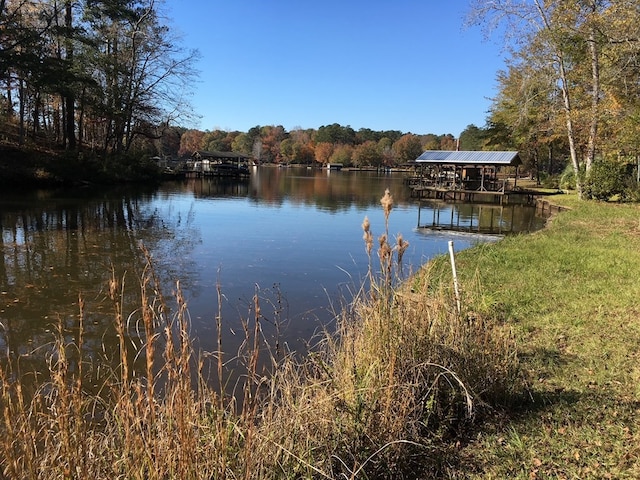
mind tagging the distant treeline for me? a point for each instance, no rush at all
(328, 144)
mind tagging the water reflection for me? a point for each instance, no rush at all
(292, 234)
(60, 246)
(478, 218)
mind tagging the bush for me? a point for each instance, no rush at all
(568, 178)
(631, 191)
(606, 179)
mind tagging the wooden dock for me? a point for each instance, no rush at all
(220, 170)
(499, 197)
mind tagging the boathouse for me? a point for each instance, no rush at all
(231, 164)
(464, 175)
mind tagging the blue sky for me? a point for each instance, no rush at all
(407, 65)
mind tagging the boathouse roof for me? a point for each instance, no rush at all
(202, 154)
(444, 157)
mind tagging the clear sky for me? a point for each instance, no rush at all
(408, 65)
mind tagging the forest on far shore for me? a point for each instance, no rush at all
(328, 144)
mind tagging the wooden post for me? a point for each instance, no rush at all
(455, 275)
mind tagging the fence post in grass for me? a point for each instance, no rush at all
(455, 275)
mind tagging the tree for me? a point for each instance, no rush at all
(242, 143)
(472, 138)
(367, 154)
(336, 134)
(407, 148)
(191, 141)
(219, 141)
(385, 147)
(447, 142)
(270, 138)
(524, 116)
(323, 152)
(577, 43)
(286, 150)
(96, 72)
(430, 141)
(303, 153)
(342, 154)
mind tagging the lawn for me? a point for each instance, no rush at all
(572, 294)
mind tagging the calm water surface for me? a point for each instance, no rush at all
(294, 236)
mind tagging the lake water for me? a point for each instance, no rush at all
(292, 235)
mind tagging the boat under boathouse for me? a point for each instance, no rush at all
(467, 176)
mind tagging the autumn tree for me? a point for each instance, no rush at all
(270, 138)
(407, 148)
(190, 142)
(323, 152)
(447, 142)
(303, 153)
(578, 44)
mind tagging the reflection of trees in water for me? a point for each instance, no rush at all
(58, 249)
(332, 191)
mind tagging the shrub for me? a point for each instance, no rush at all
(631, 191)
(606, 179)
(568, 178)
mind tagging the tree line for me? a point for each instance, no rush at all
(109, 76)
(104, 75)
(327, 144)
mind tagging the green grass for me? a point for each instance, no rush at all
(572, 292)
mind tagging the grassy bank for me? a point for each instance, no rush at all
(572, 293)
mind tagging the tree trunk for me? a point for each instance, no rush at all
(566, 100)
(595, 97)
(70, 124)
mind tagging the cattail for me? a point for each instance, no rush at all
(367, 236)
(401, 247)
(387, 204)
(385, 252)
(382, 240)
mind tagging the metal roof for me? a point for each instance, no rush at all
(469, 158)
(219, 155)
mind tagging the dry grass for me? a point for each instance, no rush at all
(380, 397)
